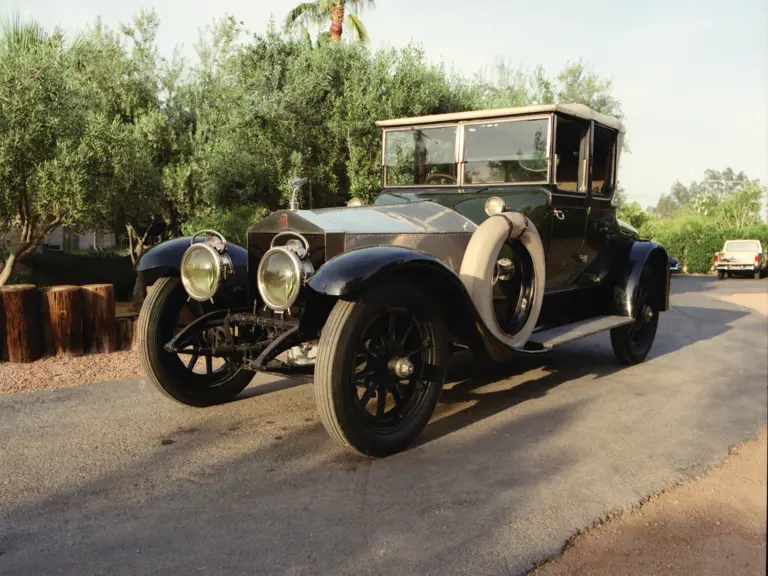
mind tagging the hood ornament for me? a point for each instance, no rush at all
(297, 183)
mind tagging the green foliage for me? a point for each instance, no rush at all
(695, 239)
(324, 12)
(101, 131)
(232, 223)
(706, 197)
(693, 222)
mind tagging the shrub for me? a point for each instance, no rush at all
(694, 240)
(54, 268)
(231, 222)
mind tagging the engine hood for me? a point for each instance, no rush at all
(424, 226)
(408, 218)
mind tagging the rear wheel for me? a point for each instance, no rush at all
(380, 368)
(632, 342)
(189, 379)
(720, 274)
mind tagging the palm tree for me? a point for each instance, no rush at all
(319, 11)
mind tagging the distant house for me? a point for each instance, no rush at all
(60, 239)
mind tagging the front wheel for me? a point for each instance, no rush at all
(189, 379)
(720, 274)
(380, 368)
(632, 342)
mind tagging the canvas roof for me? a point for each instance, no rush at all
(575, 110)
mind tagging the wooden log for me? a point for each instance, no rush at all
(62, 320)
(21, 317)
(99, 325)
(125, 333)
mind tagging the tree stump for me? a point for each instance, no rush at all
(62, 320)
(21, 317)
(125, 333)
(99, 325)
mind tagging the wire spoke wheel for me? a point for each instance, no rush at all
(197, 363)
(381, 367)
(190, 377)
(390, 362)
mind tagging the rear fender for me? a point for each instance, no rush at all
(347, 275)
(164, 260)
(641, 255)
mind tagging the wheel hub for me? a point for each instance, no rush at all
(647, 314)
(401, 367)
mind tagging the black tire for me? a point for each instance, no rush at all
(350, 358)
(632, 342)
(168, 372)
(730, 274)
(720, 274)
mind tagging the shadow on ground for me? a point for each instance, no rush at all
(516, 459)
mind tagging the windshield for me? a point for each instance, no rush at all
(422, 156)
(742, 246)
(501, 152)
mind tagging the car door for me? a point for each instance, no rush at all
(601, 219)
(567, 256)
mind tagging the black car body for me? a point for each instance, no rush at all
(493, 230)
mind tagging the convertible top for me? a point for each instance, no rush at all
(575, 110)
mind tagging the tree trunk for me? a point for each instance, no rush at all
(99, 326)
(62, 320)
(21, 317)
(7, 269)
(337, 22)
(139, 291)
(125, 333)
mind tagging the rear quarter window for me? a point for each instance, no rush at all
(742, 246)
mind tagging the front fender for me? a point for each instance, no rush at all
(350, 273)
(165, 260)
(641, 255)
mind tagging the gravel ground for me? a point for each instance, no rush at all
(713, 525)
(50, 373)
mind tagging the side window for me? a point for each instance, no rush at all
(570, 152)
(603, 161)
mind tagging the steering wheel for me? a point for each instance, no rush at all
(432, 178)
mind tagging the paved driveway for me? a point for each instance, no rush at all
(114, 479)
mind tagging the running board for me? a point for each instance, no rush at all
(553, 337)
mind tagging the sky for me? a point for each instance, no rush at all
(692, 75)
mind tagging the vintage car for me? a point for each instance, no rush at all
(493, 231)
(741, 257)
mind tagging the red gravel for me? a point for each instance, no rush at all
(51, 373)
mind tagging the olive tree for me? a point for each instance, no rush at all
(43, 179)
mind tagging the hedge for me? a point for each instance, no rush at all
(694, 243)
(51, 268)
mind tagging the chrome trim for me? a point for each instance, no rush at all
(295, 235)
(210, 233)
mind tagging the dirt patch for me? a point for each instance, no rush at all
(50, 373)
(756, 301)
(713, 525)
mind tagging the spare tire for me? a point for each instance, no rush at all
(479, 264)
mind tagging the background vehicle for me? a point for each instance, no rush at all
(741, 257)
(494, 231)
(674, 264)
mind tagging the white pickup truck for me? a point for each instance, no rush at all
(741, 256)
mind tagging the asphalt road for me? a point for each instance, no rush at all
(114, 479)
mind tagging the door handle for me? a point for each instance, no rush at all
(559, 214)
